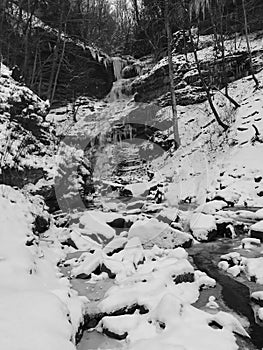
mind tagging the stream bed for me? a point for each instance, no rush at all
(232, 294)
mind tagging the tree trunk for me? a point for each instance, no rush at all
(171, 78)
(248, 45)
(136, 10)
(58, 71)
(224, 77)
(207, 89)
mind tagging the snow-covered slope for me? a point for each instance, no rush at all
(212, 163)
(38, 309)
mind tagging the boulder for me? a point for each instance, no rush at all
(153, 232)
(41, 224)
(203, 227)
(256, 230)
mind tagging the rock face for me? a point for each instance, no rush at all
(129, 71)
(83, 70)
(27, 139)
(154, 85)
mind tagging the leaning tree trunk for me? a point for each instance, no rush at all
(205, 86)
(171, 78)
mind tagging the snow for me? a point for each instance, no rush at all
(259, 214)
(201, 224)
(260, 313)
(223, 265)
(38, 308)
(228, 195)
(253, 268)
(83, 242)
(91, 223)
(257, 227)
(257, 295)
(115, 244)
(212, 304)
(89, 263)
(211, 207)
(185, 328)
(118, 324)
(158, 276)
(147, 229)
(250, 243)
(143, 277)
(138, 189)
(232, 256)
(154, 232)
(234, 270)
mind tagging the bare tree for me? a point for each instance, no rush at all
(136, 11)
(206, 87)
(171, 77)
(248, 44)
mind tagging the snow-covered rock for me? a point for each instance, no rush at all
(223, 265)
(260, 313)
(115, 245)
(211, 207)
(257, 297)
(154, 232)
(233, 258)
(202, 226)
(88, 263)
(228, 195)
(256, 230)
(147, 229)
(259, 214)
(91, 224)
(234, 270)
(250, 243)
(254, 270)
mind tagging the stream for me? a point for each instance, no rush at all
(232, 294)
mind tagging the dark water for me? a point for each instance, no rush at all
(235, 295)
